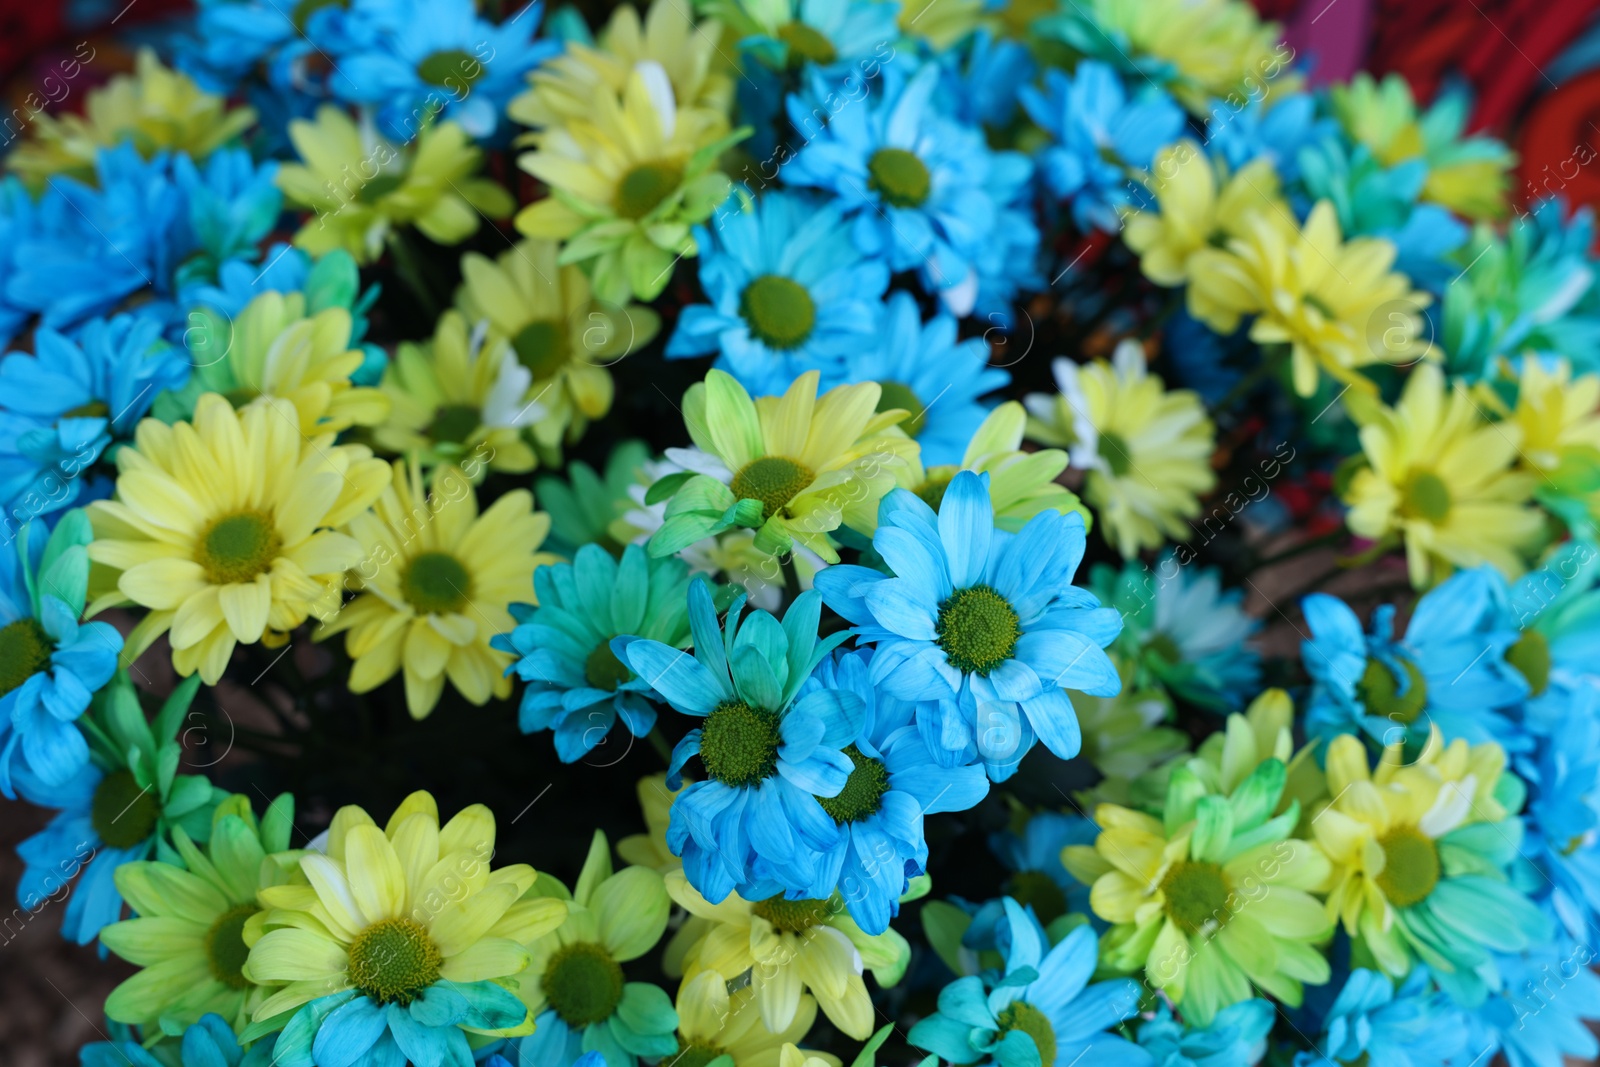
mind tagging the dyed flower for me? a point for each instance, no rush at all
(1037, 880)
(587, 507)
(1412, 1026)
(1538, 1017)
(650, 849)
(713, 1022)
(1560, 438)
(332, 280)
(1238, 1035)
(1274, 127)
(1126, 738)
(210, 1042)
(832, 34)
(1147, 449)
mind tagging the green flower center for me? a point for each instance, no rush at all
(1380, 692)
(306, 8)
(778, 310)
(791, 916)
(453, 423)
(543, 346)
(806, 44)
(1197, 895)
(603, 669)
(863, 791)
(394, 960)
(739, 744)
(693, 1054)
(122, 812)
(583, 984)
(452, 67)
(1163, 647)
(1021, 1015)
(435, 583)
(24, 651)
(643, 188)
(225, 947)
(773, 480)
(1426, 498)
(932, 491)
(977, 629)
(899, 177)
(1410, 866)
(238, 547)
(1530, 655)
(1041, 891)
(898, 395)
(94, 409)
(1114, 450)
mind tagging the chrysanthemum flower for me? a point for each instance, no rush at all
(1415, 1023)
(189, 936)
(225, 528)
(713, 1022)
(1441, 477)
(211, 1041)
(590, 507)
(1147, 448)
(650, 849)
(1125, 738)
(402, 943)
(437, 581)
(793, 467)
(1557, 414)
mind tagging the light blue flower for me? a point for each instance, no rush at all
(789, 292)
(983, 77)
(1563, 814)
(1237, 1037)
(1537, 1017)
(1277, 133)
(754, 824)
(1100, 134)
(208, 1043)
(351, 1028)
(577, 687)
(1037, 879)
(836, 36)
(1414, 1026)
(233, 204)
(981, 627)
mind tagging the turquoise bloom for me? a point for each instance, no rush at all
(755, 823)
(349, 1027)
(576, 686)
(1537, 1018)
(332, 280)
(208, 1043)
(980, 627)
(1236, 1037)
(1413, 1026)
(835, 35)
(584, 505)
(1278, 133)
(1038, 880)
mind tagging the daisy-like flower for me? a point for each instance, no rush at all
(982, 627)
(189, 936)
(1415, 1024)
(210, 1042)
(587, 507)
(577, 688)
(459, 398)
(791, 33)
(1560, 440)
(789, 293)
(402, 941)
(574, 983)
(1126, 739)
(1041, 1009)
(362, 187)
(1440, 477)
(226, 528)
(1147, 448)
(1032, 854)
(793, 467)
(649, 849)
(713, 1023)
(436, 582)
(768, 752)
(1237, 1035)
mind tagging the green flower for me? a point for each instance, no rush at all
(588, 508)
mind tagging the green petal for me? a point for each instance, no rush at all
(632, 907)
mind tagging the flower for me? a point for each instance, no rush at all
(1412, 1026)
(436, 583)
(587, 507)
(210, 1042)
(1040, 1010)
(401, 940)
(1147, 448)
(979, 624)
(1098, 134)
(650, 849)
(834, 35)
(788, 292)
(1550, 987)
(1125, 738)
(712, 1023)
(189, 936)
(575, 985)
(1037, 880)
(1274, 127)
(1237, 1035)
(794, 468)
(577, 687)
(1439, 476)
(226, 528)
(1560, 438)
(362, 186)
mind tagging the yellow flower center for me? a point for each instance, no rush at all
(582, 983)
(1114, 450)
(739, 744)
(977, 629)
(451, 67)
(778, 310)
(237, 547)
(1021, 1015)
(1039, 890)
(1530, 655)
(1426, 498)
(453, 423)
(435, 583)
(643, 188)
(543, 346)
(122, 812)
(24, 652)
(1196, 894)
(791, 916)
(863, 791)
(899, 177)
(225, 947)
(806, 44)
(1410, 866)
(603, 670)
(1380, 692)
(773, 480)
(899, 395)
(394, 960)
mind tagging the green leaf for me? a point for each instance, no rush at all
(944, 924)
(868, 1054)
(176, 707)
(665, 486)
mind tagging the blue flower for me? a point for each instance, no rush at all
(981, 627)
(1536, 1018)
(1237, 1037)
(894, 783)
(838, 37)
(208, 1043)
(755, 824)
(921, 189)
(351, 1028)
(788, 292)
(1277, 133)
(232, 204)
(983, 78)
(577, 687)
(1415, 1026)
(1099, 133)
(1562, 817)
(1040, 1010)
(1037, 879)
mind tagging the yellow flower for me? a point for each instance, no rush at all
(362, 186)
(942, 23)
(436, 582)
(226, 527)
(154, 109)
(1124, 737)
(1335, 303)
(457, 399)
(1557, 414)
(1440, 476)
(1147, 449)
(713, 1022)
(649, 849)
(564, 337)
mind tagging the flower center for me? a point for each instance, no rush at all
(1426, 498)
(24, 652)
(435, 583)
(977, 629)
(582, 983)
(225, 947)
(1030, 1020)
(739, 744)
(806, 44)
(899, 177)
(603, 669)
(1530, 655)
(1041, 891)
(452, 67)
(863, 791)
(773, 480)
(454, 423)
(694, 1054)
(1410, 866)
(394, 960)
(543, 346)
(94, 409)
(791, 916)
(1164, 647)
(643, 188)
(1197, 895)
(1380, 692)
(932, 491)
(122, 812)
(237, 547)
(899, 395)
(778, 310)
(1114, 450)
